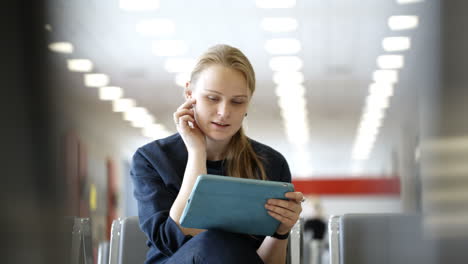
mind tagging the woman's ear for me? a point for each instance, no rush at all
(187, 91)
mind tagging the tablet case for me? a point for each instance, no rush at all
(233, 204)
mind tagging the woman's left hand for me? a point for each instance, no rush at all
(285, 211)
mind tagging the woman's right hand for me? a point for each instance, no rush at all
(193, 137)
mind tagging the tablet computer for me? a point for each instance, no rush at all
(233, 204)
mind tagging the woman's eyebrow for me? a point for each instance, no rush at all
(212, 91)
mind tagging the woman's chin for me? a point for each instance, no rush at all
(219, 136)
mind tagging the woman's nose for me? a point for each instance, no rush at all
(223, 110)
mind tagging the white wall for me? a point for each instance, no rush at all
(338, 205)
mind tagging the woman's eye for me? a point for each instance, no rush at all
(238, 102)
(212, 98)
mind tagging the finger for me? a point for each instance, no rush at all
(180, 113)
(187, 104)
(290, 205)
(282, 203)
(288, 222)
(281, 211)
(296, 196)
(183, 121)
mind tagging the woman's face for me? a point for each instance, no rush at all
(222, 98)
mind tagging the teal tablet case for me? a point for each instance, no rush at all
(233, 204)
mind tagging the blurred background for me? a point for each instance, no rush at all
(365, 99)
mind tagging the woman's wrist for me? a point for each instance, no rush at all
(197, 154)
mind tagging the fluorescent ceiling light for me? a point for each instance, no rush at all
(179, 64)
(279, 24)
(376, 102)
(122, 105)
(286, 63)
(385, 76)
(139, 5)
(373, 115)
(169, 47)
(80, 65)
(396, 43)
(390, 61)
(96, 79)
(61, 47)
(275, 3)
(134, 113)
(155, 131)
(283, 46)
(381, 89)
(293, 90)
(291, 103)
(142, 121)
(403, 2)
(403, 22)
(108, 93)
(182, 78)
(288, 77)
(155, 27)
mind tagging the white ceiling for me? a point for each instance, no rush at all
(340, 42)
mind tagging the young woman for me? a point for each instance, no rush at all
(210, 140)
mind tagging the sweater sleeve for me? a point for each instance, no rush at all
(285, 172)
(154, 203)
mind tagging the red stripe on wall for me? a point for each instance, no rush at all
(355, 186)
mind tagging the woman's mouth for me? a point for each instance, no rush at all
(220, 124)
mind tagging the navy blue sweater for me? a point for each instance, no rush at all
(157, 172)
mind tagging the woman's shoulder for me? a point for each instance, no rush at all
(167, 146)
(266, 151)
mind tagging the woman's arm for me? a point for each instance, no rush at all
(273, 251)
(287, 213)
(194, 141)
(196, 165)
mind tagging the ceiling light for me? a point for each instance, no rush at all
(279, 24)
(294, 90)
(155, 131)
(61, 47)
(122, 105)
(385, 76)
(80, 65)
(286, 63)
(108, 93)
(275, 3)
(179, 64)
(403, 2)
(142, 121)
(381, 89)
(373, 115)
(134, 113)
(169, 48)
(288, 77)
(139, 5)
(396, 43)
(283, 46)
(96, 79)
(291, 103)
(155, 27)
(182, 78)
(390, 61)
(403, 22)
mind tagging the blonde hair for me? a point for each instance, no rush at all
(242, 161)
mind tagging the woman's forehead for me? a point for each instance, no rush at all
(223, 80)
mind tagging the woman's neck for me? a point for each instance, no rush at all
(215, 150)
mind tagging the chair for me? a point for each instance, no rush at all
(379, 238)
(128, 242)
(81, 249)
